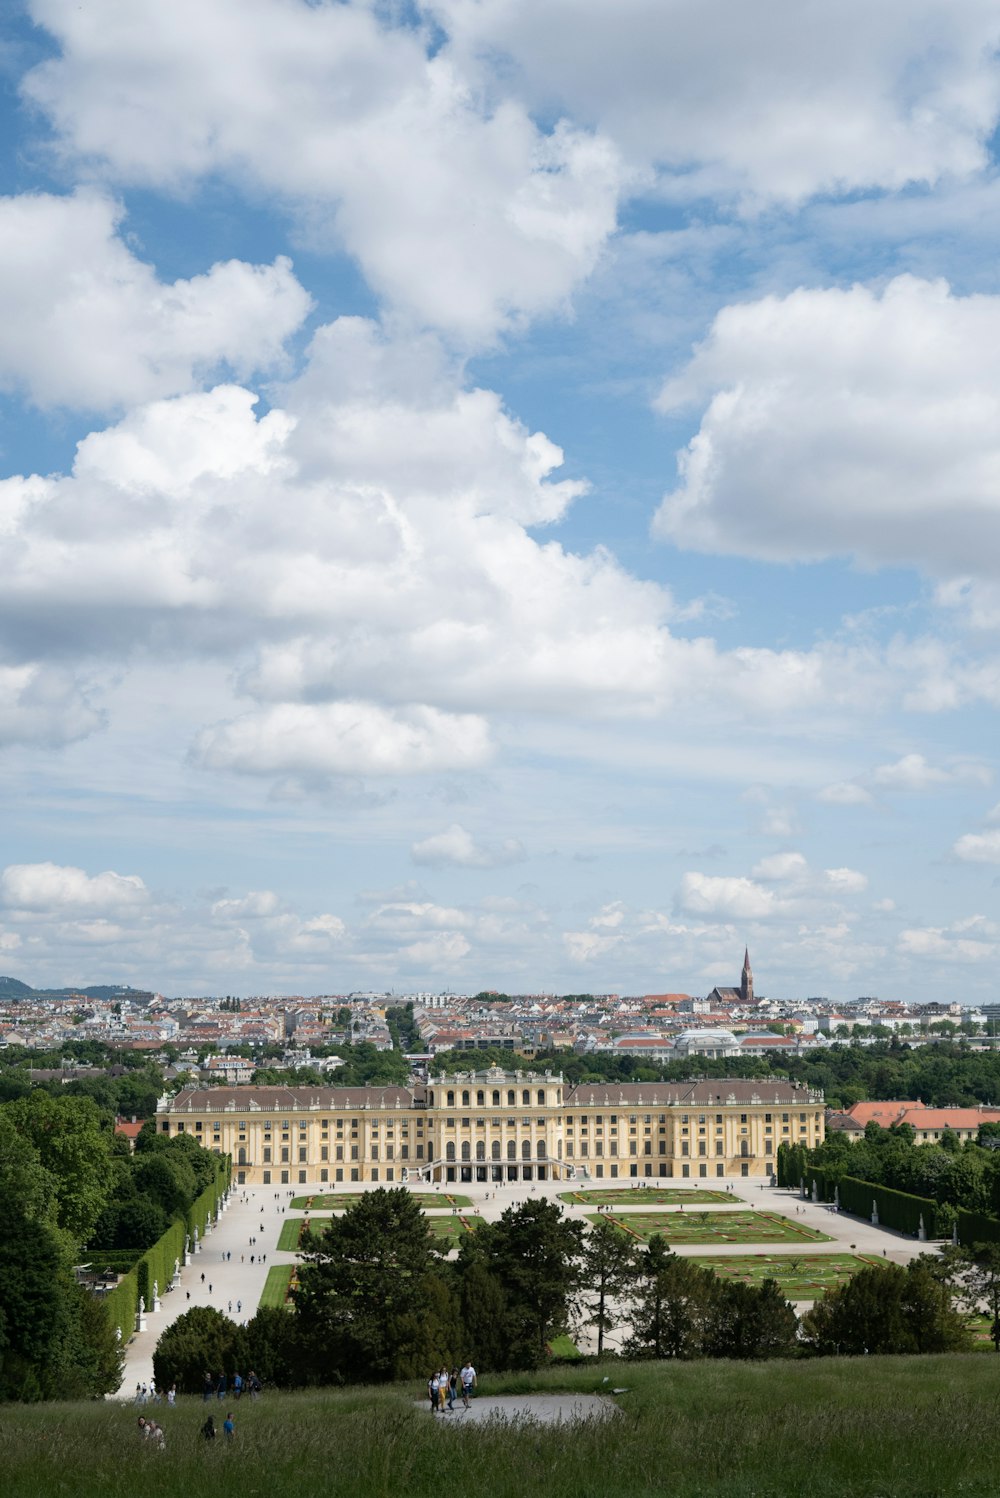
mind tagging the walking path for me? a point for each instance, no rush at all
(234, 1281)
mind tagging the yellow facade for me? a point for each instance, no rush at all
(495, 1126)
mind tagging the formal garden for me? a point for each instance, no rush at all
(713, 1227)
(653, 1196)
(339, 1201)
(800, 1279)
(443, 1225)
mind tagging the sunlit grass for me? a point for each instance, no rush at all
(713, 1227)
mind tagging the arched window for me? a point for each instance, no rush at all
(430, 1100)
(242, 1159)
(449, 1151)
(541, 1149)
(526, 1149)
(541, 1097)
(744, 1149)
(480, 1099)
(496, 1149)
(465, 1150)
(465, 1099)
(511, 1150)
(480, 1150)
(451, 1100)
(511, 1098)
(526, 1098)
(496, 1097)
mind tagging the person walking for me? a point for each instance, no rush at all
(172, 1395)
(452, 1388)
(228, 1428)
(207, 1388)
(469, 1381)
(432, 1394)
(208, 1429)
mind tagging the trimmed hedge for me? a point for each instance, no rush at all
(122, 1303)
(976, 1227)
(896, 1209)
(157, 1263)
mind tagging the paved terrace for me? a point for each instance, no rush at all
(256, 1213)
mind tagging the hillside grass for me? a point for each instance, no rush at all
(837, 1428)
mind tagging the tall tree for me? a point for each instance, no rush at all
(671, 1305)
(362, 1280)
(534, 1252)
(608, 1270)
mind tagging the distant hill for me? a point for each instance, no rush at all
(13, 988)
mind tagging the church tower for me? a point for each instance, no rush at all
(746, 982)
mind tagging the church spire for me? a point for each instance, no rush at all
(746, 982)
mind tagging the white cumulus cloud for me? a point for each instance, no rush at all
(49, 886)
(845, 422)
(85, 323)
(456, 846)
(724, 897)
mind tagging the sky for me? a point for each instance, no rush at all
(500, 495)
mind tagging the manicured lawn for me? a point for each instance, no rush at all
(563, 1347)
(293, 1227)
(279, 1278)
(915, 1427)
(653, 1196)
(714, 1227)
(807, 1278)
(337, 1201)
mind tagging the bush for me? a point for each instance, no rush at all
(976, 1227)
(896, 1209)
(199, 1342)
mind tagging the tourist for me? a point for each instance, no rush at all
(452, 1388)
(143, 1428)
(172, 1395)
(220, 1388)
(237, 1385)
(469, 1381)
(442, 1389)
(207, 1388)
(228, 1428)
(208, 1429)
(432, 1394)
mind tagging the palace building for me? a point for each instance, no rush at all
(498, 1125)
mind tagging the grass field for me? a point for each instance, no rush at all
(653, 1196)
(806, 1278)
(275, 1291)
(713, 1227)
(338, 1201)
(850, 1428)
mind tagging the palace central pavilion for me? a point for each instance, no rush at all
(498, 1126)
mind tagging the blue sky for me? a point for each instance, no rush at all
(500, 496)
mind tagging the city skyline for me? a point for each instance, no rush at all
(500, 496)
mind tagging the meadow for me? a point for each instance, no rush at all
(713, 1227)
(837, 1428)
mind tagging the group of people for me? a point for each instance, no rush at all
(219, 1385)
(209, 1432)
(443, 1387)
(150, 1394)
(150, 1431)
